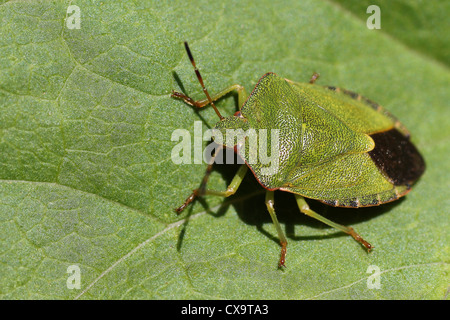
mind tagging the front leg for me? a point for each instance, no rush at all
(242, 96)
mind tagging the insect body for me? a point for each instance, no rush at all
(334, 146)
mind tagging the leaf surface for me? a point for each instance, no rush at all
(86, 176)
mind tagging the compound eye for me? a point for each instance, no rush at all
(238, 114)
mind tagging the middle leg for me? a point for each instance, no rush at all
(283, 242)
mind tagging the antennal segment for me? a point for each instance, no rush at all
(200, 79)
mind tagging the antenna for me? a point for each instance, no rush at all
(200, 79)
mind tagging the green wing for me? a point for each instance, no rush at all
(351, 180)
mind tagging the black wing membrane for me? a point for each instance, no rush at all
(397, 157)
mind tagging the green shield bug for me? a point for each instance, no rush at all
(332, 145)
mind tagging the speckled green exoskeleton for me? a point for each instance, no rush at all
(335, 146)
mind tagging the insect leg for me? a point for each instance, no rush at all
(303, 206)
(270, 207)
(201, 189)
(231, 189)
(314, 77)
(196, 192)
(242, 96)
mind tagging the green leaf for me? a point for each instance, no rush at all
(86, 121)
